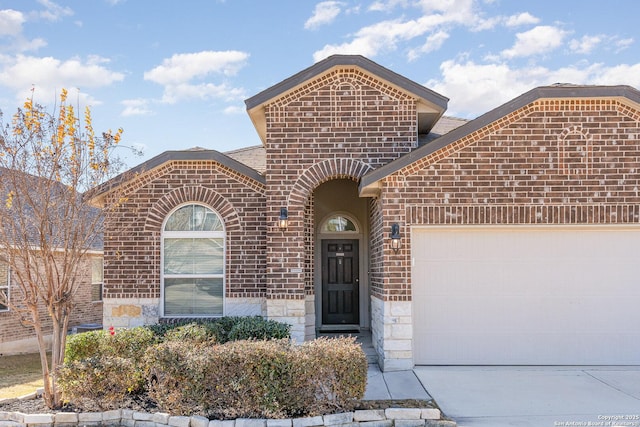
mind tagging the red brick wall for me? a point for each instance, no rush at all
(339, 125)
(133, 232)
(572, 161)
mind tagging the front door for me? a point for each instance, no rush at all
(340, 282)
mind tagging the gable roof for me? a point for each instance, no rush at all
(370, 182)
(196, 153)
(431, 104)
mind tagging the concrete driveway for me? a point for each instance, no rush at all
(535, 396)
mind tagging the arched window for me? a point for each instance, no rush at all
(193, 246)
(339, 224)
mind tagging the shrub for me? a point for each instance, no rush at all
(230, 328)
(83, 345)
(337, 370)
(103, 381)
(103, 368)
(245, 328)
(258, 379)
(192, 332)
(127, 343)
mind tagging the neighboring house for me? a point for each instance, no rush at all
(508, 239)
(17, 338)
(15, 335)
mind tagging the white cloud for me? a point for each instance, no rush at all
(135, 107)
(538, 40)
(11, 22)
(623, 44)
(433, 43)
(183, 67)
(177, 75)
(585, 44)
(53, 12)
(324, 13)
(477, 88)
(386, 5)
(385, 36)
(524, 18)
(48, 75)
(203, 91)
(234, 109)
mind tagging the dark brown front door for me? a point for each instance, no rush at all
(340, 282)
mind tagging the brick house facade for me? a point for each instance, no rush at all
(352, 151)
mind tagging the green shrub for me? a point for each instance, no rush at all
(191, 332)
(246, 328)
(103, 381)
(127, 343)
(230, 328)
(83, 345)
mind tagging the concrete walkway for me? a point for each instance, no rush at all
(393, 385)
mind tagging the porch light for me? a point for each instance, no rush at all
(283, 221)
(395, 237)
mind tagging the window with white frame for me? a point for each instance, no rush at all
(193, 254)
(4, 286)
(97, 278)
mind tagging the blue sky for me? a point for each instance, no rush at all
(175, 74)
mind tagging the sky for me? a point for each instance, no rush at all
(175, 74)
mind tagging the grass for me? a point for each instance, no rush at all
(19, 375)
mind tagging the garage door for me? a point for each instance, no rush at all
(526, 295)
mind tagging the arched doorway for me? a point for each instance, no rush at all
(341, 261)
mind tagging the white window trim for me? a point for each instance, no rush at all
(190, 234)
(100, 282)
(8, 288)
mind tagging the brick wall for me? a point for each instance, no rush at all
(133, 232)
(84, 311)
(339, 125)
(571, 161)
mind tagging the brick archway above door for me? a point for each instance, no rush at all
(322, 172)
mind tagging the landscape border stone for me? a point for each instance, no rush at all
(392, 417)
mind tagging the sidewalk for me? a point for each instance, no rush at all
(389, 385)
(393, 385)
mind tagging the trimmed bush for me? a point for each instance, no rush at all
(192, 332)
(231, 328)
(103, 381)
(127, 343)
(258, 379)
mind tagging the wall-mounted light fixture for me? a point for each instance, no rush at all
(395, 237)
(283, 221)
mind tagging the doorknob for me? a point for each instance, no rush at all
(357, 280)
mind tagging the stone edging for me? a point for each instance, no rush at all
(392, 417)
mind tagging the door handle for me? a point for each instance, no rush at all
(357, 280)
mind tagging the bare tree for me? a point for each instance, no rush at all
(47, 162)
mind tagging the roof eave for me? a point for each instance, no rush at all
(97, 195)
(256, 104)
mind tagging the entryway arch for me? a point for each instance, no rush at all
(341, 283)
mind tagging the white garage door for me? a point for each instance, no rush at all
(526, 295)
